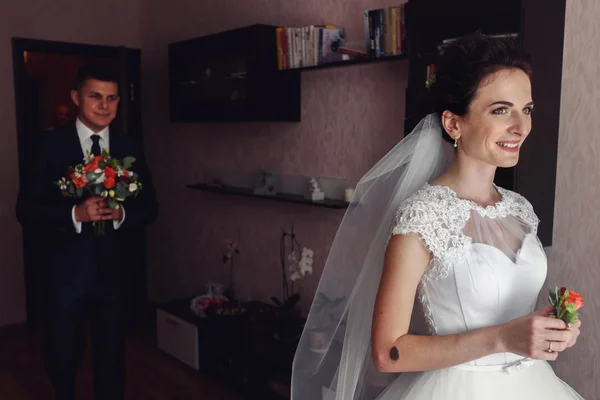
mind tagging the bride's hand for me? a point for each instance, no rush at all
(575, 331)
(537, 335)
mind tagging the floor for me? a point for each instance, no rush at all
(151, 374)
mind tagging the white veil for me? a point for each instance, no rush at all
(334, 352)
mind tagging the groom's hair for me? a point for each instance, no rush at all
(95, 71)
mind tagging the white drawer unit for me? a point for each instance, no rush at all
(177, 338)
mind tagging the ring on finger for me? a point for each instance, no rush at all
(550, 347)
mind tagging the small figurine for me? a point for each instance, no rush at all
(265, 184)
(314, 192)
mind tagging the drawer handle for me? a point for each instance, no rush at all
(172, 322)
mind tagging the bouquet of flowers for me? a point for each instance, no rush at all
(102, 176)
(566, 303)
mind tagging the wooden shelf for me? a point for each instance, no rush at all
(285, 197)
(346, 63)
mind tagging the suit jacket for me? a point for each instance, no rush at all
(67, 255)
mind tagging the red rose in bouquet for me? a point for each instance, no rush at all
(102, 176)
(566, 303)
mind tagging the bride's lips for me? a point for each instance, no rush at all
(512, 146)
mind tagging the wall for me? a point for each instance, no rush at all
(350, 118)
(110, 22)
(575, 255)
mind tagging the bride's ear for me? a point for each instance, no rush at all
(450, 122)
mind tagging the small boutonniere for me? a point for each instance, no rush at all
(566, 303)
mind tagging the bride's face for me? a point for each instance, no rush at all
(498, 119)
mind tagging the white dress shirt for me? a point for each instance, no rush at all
(85, 139)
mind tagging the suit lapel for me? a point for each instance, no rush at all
(73, 146)
(116, 144)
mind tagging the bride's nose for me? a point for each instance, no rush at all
(519, 125)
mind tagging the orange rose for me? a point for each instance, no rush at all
(573, 298)
(109, 182)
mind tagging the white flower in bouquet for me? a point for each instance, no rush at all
(100, 179)
(133, 187)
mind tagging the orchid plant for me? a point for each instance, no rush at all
(297, 268)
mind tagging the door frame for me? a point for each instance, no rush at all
(130, 111)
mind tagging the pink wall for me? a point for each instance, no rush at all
(110, 22)
(575, 255)
(350, 118)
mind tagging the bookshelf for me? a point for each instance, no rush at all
(348, 63)
(283, 197)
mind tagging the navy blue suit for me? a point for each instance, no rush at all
(86, 277)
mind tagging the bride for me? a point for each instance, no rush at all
(428, 227)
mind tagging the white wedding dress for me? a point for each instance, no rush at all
(487, 268)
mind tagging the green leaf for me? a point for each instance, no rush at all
(112, 203)
(79, 192)
(97, 190)
(121, 192)
(128, 162)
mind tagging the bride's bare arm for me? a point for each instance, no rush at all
(394, 350)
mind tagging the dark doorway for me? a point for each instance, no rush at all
(44, 74)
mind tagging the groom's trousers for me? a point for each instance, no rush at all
(86, 304)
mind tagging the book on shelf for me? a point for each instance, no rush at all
(385, 31)
(308, 46)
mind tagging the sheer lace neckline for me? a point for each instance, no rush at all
(499, 205)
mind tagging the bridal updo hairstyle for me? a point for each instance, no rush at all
(465, 63)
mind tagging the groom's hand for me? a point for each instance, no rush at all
(117, 215)
(93, 209)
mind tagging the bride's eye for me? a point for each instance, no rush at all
(528, 110)
(500, 111)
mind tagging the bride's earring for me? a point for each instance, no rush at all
(455, 142)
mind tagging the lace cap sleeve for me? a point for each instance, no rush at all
(418, 217)
(438, 223)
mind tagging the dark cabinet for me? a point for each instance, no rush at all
(231, 76)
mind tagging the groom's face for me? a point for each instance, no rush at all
(98, 102)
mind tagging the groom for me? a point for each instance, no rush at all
(86, 277)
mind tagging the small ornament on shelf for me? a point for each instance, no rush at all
(349, 194)
(265, 184)
(314, 191)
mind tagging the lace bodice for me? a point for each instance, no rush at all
(487, 265)
(439, 217)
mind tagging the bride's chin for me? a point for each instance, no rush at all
(508, 163)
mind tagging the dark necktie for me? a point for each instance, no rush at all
(96, 145)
